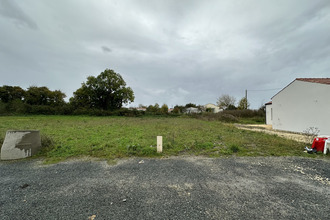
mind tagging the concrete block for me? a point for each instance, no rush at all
(20, 144)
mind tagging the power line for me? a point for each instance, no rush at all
(260, 90)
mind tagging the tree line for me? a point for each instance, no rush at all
(104, 94)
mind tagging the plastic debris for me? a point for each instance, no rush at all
(310, 150)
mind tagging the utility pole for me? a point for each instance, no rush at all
(246, 99)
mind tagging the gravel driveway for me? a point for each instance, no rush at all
(171, 188)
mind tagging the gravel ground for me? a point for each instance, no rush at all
(171, 188)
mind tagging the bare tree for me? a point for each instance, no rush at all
(225, 101)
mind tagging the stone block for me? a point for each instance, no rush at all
(20, 144)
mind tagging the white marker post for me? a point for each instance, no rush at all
(159, 144)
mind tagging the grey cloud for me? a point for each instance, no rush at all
(106, 49)
(171, 52)
(9, 9)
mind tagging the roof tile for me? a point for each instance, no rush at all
(315, 80)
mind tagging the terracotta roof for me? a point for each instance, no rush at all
(311, 80)
(315, 80)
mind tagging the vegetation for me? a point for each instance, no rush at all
(243, 104)
(235, 116)
(116, 137)
(101, 95)
(311, 133)
(226, 102)
(107, 91)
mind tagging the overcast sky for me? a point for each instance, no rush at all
(167, 51)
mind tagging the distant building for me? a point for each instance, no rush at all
(139, 108)
(212, 107)
(302, 104)
(192, 110)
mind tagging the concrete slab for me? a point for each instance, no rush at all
(20, 144)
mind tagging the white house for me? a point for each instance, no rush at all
(302, 104)
(269, 113)
(214, 108)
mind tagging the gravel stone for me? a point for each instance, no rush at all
(170, 188)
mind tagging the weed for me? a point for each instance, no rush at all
(311, 133)
(234, 148)
(47, 141)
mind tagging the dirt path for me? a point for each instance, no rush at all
(269, 130)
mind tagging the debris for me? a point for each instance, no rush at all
(142, 161)
(310, 150)
(24, 186)
(124, 200)
(92, 217)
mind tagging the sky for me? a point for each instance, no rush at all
(168, 51)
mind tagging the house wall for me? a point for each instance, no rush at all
(269, 112)
(302, 105)
(215, 108)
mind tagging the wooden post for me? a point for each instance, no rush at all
(159, 144)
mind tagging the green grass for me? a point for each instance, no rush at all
(117, 137)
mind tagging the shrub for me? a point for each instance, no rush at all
(311, 133)
(228, 118)
(234, 148)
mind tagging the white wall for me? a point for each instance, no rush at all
(269, 112)
(215, 108)
(302, 105)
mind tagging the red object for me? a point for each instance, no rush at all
(318, 143)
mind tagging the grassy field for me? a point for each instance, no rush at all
(116, 137)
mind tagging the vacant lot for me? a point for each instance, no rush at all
(117, 137)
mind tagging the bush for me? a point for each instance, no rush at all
(246, 113)
(228, 118)
(233, 116)
(216, 117)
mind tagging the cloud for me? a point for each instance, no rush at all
(9, 9)
(172, 52)
(106, 49)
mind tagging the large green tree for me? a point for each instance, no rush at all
(107, 91)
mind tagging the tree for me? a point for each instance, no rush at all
(153, 109)
(11, 93)
(243, 104)
(176, 110)
(43, 96)
(107, 91)
(164, 109)
(226, 101)
(191, 105)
